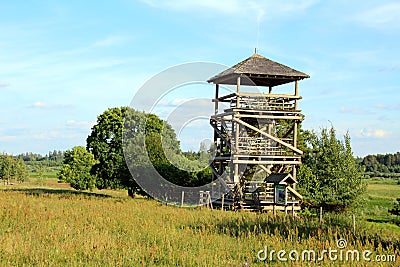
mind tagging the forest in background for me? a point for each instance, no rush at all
(379, 165)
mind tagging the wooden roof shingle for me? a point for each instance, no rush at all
(258, 70)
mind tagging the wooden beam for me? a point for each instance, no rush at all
(264, 95)
(241, 161)
(265, 169)
(229, 113)
(271, 117)
(216, 97)
(227, 96)
(269, 136)
(294, 192)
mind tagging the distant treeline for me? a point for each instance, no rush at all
(56, 155)
(387, 165)
(51, 161)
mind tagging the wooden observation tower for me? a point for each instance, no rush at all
(255, 136)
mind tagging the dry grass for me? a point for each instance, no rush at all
(59, 227)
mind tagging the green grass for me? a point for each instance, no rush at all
(54, 225)
(379, 198)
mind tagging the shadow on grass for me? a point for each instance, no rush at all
(333, 228)
(61, 193)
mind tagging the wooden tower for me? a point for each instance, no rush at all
(255, 138)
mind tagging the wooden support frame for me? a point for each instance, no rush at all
(240, 130)
(269, 136)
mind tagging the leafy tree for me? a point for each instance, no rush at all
(105, 142)
(12, 168)
(6, 168)
(330, 176)
(40, 170)
(396, 208)
(387, 165)
(76, 168)
(149, 142)
(19, 171)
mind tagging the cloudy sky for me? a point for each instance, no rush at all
(62, 63)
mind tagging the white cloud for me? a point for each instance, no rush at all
(7, 137)
(111, 40)
(38, 105)
(385, 16)
(355, 111)
(389, 107)
(372, 133)
(4, 84)
(50, 135)
(42, 105)
(267, 9)
(80, 125)
(380, 106)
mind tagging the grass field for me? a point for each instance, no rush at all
(53, 225)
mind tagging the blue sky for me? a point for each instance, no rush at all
(62, 63)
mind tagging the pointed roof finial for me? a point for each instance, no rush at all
(255, 50)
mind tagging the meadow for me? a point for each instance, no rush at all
(53, 225)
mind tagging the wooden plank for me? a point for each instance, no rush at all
(265, 169)
(240, 161)
(221, 115)
(221, 98)
(271, 117)
(294, 192)
(269, 136)
(264, 95)
(216, 97)
(263, 111)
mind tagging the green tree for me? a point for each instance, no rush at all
(330, 176)
(396, 208)
(6, 168)
(76, 168)
(40, 171)
(105, 143)
(149, 143)
(19, 171)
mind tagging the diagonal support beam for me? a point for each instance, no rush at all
(294, 192)
(221, 134)
(269, 136)
(268, 171)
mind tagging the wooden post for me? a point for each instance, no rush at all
(354, 223)
(183, 197)
(216, 99)
(274, 209)
(294, 173)
(238, 85)
(270, 90)
(292, 209)
(215, 134)
(222, 201)
(236, 165)
(320, 214)
(201, 199)
(296, 93)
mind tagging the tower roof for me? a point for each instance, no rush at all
(258, 70)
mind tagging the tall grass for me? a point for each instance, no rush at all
(51, 227)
